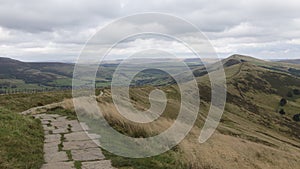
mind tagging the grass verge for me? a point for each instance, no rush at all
(71, 115)
(168, 160)
(21, 141)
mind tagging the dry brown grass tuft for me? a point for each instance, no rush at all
(237, 144)
(223, 151)
(128, 127)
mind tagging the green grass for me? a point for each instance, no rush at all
(22, 102)
(252, 104)
(61, 82)
(167, 160)
(69, 155)
(22, 137)
(21, 141)
(77, 164)
(18, 84)
(71, 115)
(61, 146)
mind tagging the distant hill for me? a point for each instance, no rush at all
(293, 61)
(235, 59)
(259, 128)
(52, 75)
(15, 74)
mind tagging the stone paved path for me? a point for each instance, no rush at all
(67, 143)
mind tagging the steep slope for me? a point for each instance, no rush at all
(252, 133)
(254, 87)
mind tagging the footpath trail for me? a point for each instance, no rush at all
(68, 145)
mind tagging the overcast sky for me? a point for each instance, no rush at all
(49, 30)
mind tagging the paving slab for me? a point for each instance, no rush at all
(104, 164)
(39, 115)
(48, 128)
(84, 126)
(60, 131)
(76, 136)
(62, 118)
(51, 144)
(56, 157)
(76, 127)
(53, 115)
(87, 154)
(52, 138)
(59, 165)
(47, 119)
(76, 145)
(59, 124)
(83, 146)
(45, 122)
(51, 150)
(72, 122)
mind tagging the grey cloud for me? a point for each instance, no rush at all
(35, 16)
(29, 27)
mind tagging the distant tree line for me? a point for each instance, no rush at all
(19, 90)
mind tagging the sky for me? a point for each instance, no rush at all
(57, 30)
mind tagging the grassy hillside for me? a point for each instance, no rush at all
(21, 141)
(17, 76)
(252, 132)
(22, 137)
(257, 130)
(22, 102)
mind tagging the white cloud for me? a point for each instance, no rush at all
(39, 30)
